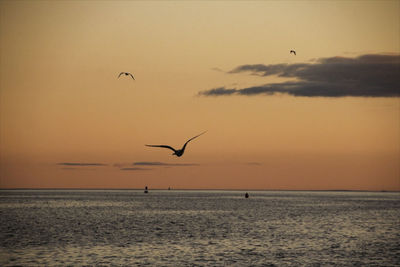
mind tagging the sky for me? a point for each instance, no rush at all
(327, 118)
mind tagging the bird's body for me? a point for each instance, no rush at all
(178, 152)
(292, 51)
(126, 74)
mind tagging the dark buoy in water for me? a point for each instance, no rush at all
(146, 190)
(246, 195)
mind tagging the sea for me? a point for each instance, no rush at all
(199, 228)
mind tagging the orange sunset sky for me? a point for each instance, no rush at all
(67, 121)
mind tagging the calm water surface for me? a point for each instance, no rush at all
(206, 228)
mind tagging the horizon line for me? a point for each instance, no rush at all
(204, 189)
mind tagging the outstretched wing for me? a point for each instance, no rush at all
(131, 75)
(121, 74)
(183, 148)
(164, 146)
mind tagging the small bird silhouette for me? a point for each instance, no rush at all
(178, 152)
(292, 51)
(126, 73)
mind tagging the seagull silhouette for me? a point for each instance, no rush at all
(126, 73)
(292, 51)
(178, 152)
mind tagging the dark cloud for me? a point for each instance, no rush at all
(135, 169)
(80, 164)
(77, 169)
(156, 163)
(128, 166)
(364, 76)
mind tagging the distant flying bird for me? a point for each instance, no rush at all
(292, 51)
(126, 73)
(178, 152)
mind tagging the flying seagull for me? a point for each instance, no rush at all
(292, 51)
(126, 73)
(178, 152)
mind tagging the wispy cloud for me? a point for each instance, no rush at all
(217, 69)
(372, 75)
(122, 165)
(156, 163)
(80, 164)
(128, 166)
(77, 169)
(135, 169)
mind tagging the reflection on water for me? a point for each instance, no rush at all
(217, 228)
